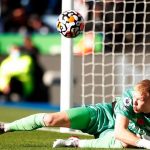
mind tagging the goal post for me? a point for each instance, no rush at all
(66, 65)
(66, 89)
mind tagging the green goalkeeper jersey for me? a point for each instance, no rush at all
(139, 122)
(99, 118)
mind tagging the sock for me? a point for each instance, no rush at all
(91, 143)
(83, 144)
(25, 124)
(100, 143)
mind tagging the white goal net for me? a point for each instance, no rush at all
(119, 56)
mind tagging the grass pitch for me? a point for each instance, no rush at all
(39, 140)
(29, 140)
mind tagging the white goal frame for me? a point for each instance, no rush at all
(66, 88)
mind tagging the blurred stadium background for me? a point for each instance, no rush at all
(18, 20)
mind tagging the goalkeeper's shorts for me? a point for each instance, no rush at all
(92, 119)
(96, 120)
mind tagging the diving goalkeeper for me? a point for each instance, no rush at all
(122, 123)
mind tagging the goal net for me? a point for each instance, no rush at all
(116, 51)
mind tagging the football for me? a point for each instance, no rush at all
(70, 23)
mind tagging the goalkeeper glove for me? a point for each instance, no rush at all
(143, 143)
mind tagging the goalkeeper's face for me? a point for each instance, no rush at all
(141, 102)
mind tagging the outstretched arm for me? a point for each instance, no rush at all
(124, 135)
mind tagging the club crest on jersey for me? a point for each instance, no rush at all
(127, 101)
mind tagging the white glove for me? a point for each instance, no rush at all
(143, 143)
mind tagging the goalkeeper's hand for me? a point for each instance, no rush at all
(144, 142)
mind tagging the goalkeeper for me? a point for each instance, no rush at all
(123, 123)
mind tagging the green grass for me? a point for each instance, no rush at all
(29, 140)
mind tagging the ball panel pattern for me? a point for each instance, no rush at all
(70, 23)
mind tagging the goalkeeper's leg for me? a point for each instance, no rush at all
(106, 140)
(76, 118)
